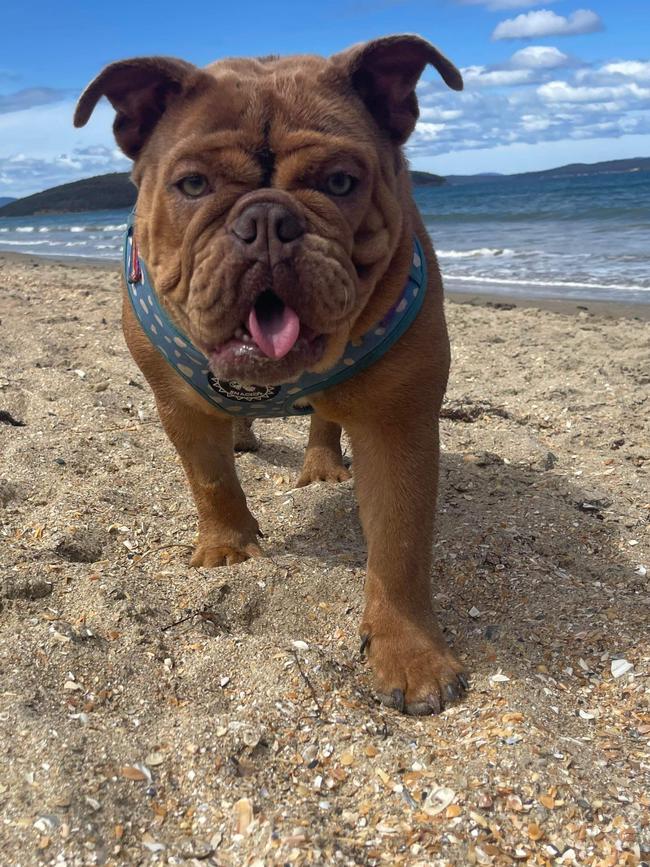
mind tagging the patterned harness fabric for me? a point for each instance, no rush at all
(264, 401)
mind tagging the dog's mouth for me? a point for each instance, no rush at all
(270, 347)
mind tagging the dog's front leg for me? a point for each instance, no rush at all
(396, 470)
(227, 530)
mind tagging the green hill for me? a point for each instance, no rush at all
(101, 193)
(639, 164)
(426, 179)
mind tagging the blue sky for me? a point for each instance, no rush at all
(547, 82)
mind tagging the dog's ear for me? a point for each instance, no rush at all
(385, 72)
(139, 90)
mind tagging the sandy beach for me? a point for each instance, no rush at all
(155, 714)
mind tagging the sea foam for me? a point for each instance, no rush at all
(473, 254)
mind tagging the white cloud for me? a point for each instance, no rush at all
(429, 131)
(532, 123)
(545, 22)
(500, 5)
(498, 109)
(615, 72)
(560, 91)
(434, 113)
(539, 57)
(495, 77)
(533, 65)
(629, 69)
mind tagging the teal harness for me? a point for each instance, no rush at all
(264, 401)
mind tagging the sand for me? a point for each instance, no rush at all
(155, 714)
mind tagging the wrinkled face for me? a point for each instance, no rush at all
(271, 195)
(267, 213)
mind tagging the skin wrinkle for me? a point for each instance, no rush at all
(206, 304)
(266, 157)
(336, 310)
(212, 262)
(195, 242)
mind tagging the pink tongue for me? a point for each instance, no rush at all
(277, 334)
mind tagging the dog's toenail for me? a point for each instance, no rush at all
(451, 692)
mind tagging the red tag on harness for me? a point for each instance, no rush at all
(135, 272)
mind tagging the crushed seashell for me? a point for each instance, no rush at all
(152, 845)
(619, 667)
(154, 759)
(46, 824)
(138, 772)
(72, 685)
(243, 815)
(587, 714)
(438, 800)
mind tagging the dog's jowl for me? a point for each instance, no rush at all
(277, 265)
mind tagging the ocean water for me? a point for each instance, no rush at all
(91, 234)
(579, 237)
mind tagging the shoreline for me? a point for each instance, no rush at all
(573, 307)
(563, 306)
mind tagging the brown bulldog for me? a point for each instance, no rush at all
(276, 221)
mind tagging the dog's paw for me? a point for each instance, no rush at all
(415, 672)
(244, 439)
(210, 556)
(322, 466)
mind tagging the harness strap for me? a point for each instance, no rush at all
(264, 401)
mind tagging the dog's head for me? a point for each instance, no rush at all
(270, 193)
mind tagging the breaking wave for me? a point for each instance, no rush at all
(473, 254)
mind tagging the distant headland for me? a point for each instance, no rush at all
(115, 191)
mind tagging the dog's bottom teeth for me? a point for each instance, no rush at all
(243, 335)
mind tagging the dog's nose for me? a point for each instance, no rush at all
(267, 229)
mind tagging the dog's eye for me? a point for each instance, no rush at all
(340, 184)
(193, 186)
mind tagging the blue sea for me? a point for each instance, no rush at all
(579, 237)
